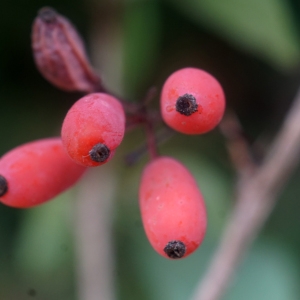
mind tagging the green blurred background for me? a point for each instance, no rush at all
(251, 46)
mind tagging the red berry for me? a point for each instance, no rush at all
(93, 128)
(36, 172)
(192, 101)
(172, 208)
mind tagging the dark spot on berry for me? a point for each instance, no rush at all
(47, 14)
(3, 186)
(175, 249)
(186, 104)
(99, 153)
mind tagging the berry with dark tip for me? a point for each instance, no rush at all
(3, 186)
(192, 101)
(93, 128)
(36, 172)
(172, 208)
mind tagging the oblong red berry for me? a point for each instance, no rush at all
(192, 101)
(36, 172)
(93, 128)
(172, 208)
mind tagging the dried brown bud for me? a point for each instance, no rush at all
(60, 54)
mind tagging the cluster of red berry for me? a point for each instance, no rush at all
(192, 102)
(173, 210)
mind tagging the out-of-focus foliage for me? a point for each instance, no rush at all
(252, 47)
(144, 48)
(265, 28)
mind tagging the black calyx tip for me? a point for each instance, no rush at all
(175, 249)
(3, 186)
(186, 104)
(47, 14)
(99, 153)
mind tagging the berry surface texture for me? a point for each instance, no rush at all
(94, 126)
(172, 208)
(192, 101)
(37, 172)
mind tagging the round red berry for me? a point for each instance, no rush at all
(172, 208)
(36, 172)
(192, 101)
(93, 128)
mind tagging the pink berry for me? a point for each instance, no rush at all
(36, 172)
(192, 101)
(93, 128)
(172, 208)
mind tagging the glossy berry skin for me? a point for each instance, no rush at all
(36, 172)
(96, 120)
(192, 101)
(172, 208)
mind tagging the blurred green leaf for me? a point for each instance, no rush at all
(215, 185)
(44, 241)
(269, 272)
(141, 39)
(265, 28)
